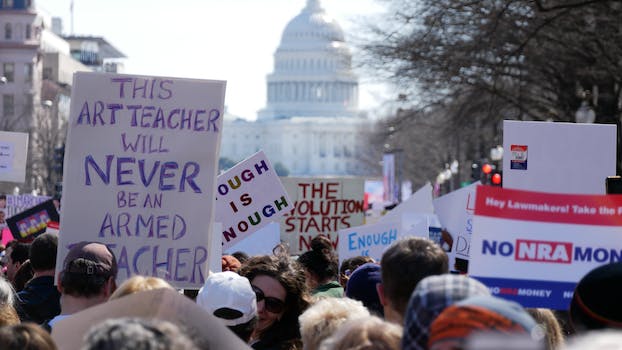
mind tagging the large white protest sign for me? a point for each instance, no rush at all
(419, 202)
(533, 247)
(140, 172)
(262, 242)
(13, 153)
(455, 211)
(250, 196)
(368, 240)
(558, 157)
(321, 206)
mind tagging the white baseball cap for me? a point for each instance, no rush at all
(229, 297)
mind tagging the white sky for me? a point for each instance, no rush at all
(231, 40)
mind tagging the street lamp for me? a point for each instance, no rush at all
(585, 113)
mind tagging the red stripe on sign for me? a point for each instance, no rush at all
(601, 210)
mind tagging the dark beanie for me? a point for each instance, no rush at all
(596, 300)
(362, 287)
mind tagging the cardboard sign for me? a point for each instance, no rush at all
(18, 203)
(261, 243)
(368, 240)
(32, 222)
(321, 206)
(419, 202)
(13, 152)
(140, 172)
(534, 247)
(162, 304)
(250, 196)
(558, 157)
(455, 211)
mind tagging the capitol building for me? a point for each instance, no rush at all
(311, 124)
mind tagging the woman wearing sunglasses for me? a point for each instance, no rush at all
(281, 293)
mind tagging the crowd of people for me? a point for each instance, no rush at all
(408, 300)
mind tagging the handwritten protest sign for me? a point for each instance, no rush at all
(321, 205)
(18, 203)
(368, 240)
(261, 243)
(533, 247)
(140, 172)
(455, 211)
(13, 152)
(250, 196)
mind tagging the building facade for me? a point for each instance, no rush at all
(311, 123)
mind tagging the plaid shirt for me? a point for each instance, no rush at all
(431, 296)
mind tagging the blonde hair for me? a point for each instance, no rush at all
(546, 319)
(139, 284)
(369, 333)
(323, 318)
(8, 315)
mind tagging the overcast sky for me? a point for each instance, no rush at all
(232, 40)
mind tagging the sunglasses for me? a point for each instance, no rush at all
(271, 304)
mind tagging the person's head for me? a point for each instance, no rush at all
(479, 314)
(2, 201)
(431, 296)
(320, 263)
(43, 252)
(363, 286)
(138, 283)
(404, 264)
(545, 318)
(324, 317)
(25, 336)
(7, 293)
(24, 274)
(230, 263)
(281, 294)
(595, 303)
(349, 265)
(16, 254)
(241, 256)
(8, 315)
(137, 333)
(367, 333)
(89, 271)
(230, 298)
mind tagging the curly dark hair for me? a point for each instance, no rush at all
(321, 260)
(282, 268)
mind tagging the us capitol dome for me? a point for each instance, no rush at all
(311, 123)
(312, 69)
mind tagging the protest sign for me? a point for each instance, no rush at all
(13, 153)
(320, 206)
(140, 172)
(533, 247)
(159, 304)
(32, 222)
(250, 195)
(558, 157)
(368, 240)
(419, 202)
(261, 243)
(18, 203)
(455, 211)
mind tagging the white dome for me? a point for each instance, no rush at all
(313, 28)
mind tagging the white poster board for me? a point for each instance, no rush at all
(534, 247)
(321, 206)
(419, 202)
(261, 243)
(368, 240)
(249, 196)
(13, 153)
(455, 211)
(558, 157)
(140, 172)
